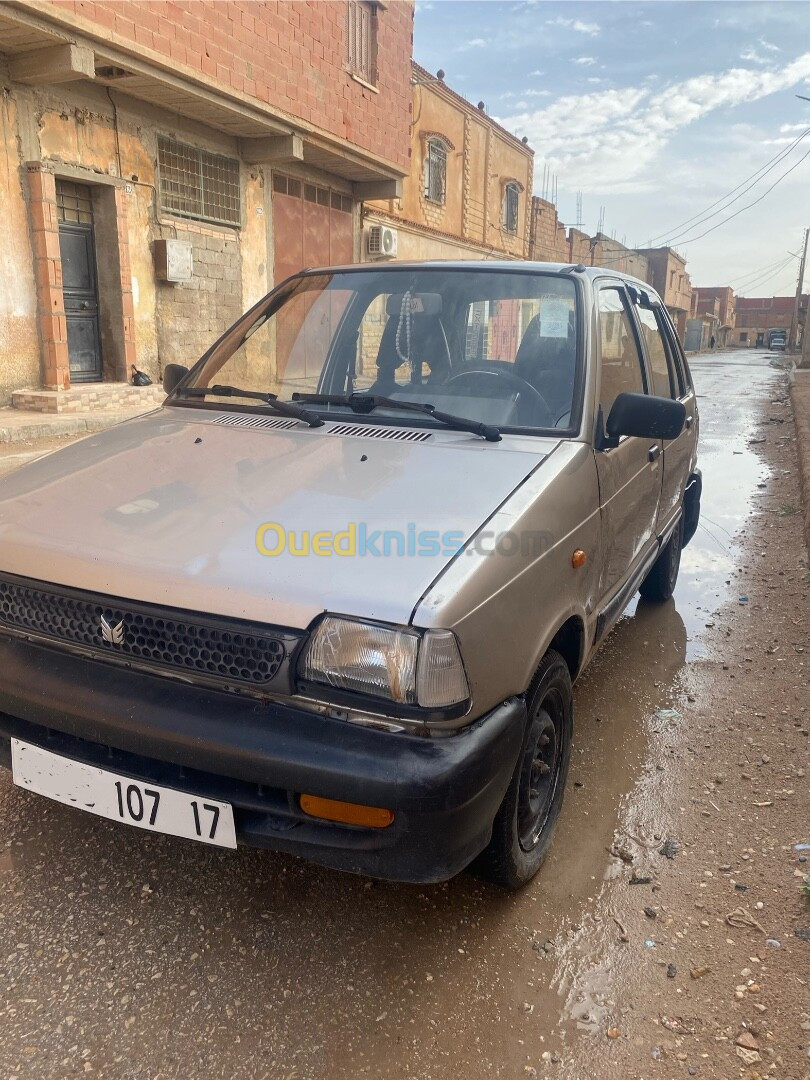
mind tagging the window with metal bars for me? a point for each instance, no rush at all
(511, 201)
(74, 202)
(197, 184)
(435, 171)
(361, 40)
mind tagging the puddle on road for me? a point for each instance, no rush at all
(269, 966)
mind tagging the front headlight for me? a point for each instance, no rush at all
(411, 667)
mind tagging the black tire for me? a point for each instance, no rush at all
(525, 822)
(659, 584)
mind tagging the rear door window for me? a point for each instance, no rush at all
(622, 365)
(663, 380)
(683, 382)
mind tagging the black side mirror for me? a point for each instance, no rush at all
(173, 375)
(646, 417)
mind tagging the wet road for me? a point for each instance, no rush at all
(129, 955)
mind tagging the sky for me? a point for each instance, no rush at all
(656, 112)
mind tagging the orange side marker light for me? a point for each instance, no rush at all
(375, 817)
(578, 559)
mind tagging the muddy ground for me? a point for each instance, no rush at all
(126, 955)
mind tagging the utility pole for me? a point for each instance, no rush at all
(799, 287)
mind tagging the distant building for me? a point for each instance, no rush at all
(668, 276)
(467, 193)
(757, 315)
(719, 302)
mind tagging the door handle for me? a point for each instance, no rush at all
(689, 420)
(654, 453)
(83, 306)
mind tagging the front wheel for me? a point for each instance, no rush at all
(525, 822)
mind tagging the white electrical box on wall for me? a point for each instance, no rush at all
(174, 260)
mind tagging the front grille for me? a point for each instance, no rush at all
(218, 648)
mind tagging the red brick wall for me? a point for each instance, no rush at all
(288, 54)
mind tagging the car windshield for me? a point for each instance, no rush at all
(499, 347)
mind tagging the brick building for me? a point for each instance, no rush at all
(756, 315)
(668, 276)
(164, 164)
(714, 309)
(468, 191)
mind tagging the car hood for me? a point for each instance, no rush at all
(165, 509)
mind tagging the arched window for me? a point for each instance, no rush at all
(436, 170)
(511, 202)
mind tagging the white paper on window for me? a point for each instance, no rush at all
(554, 318)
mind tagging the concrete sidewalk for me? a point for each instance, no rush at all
(19, 426)
(800, 399)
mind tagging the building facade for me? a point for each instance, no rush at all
(756, 315)
(468, 192)
(718, 302)
(166, 162)
(668, 276)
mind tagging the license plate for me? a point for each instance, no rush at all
(111, 795)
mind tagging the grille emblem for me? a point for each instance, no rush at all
(113, 635)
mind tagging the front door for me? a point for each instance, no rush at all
(630, 473)
(79, 283)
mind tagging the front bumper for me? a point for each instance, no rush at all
(261, 757)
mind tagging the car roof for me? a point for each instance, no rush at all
(590, 272)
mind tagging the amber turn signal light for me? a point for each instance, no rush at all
(375, 817)
(578, 558)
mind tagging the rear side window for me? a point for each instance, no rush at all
(683, 382)
(663, 384)
(622, 367)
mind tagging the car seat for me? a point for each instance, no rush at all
(549, 365)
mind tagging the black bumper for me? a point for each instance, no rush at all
(261, 757)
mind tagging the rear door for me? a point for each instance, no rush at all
(630, 473)
(670, 378)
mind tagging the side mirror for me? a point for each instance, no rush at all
(173, 375)
(646, 417)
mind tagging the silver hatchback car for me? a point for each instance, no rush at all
(332, 596)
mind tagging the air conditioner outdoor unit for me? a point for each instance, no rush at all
(382, 242)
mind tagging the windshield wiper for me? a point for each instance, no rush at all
(283, 408)
(365, 403)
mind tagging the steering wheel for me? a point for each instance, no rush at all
(520, 386)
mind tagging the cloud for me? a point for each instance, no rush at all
(536, 93)
(537, 72)
(593, 79)
(585, 61)
(753, 57)
(612, 137)
(473, 43)
(578, 25)
(767, 45)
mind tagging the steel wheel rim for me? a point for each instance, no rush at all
(539, 774)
